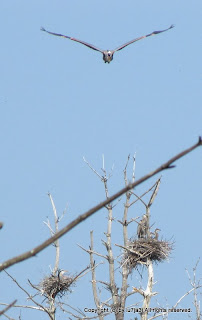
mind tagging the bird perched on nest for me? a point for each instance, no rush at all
(61, 273)
(107, 54)
(156, 234)
(56, 284)
(142, 227)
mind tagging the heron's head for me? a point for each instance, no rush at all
(62, 272)
(108, 56)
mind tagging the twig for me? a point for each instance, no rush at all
(23, 306)
(101, 178)
(8, 307)
(142, 195)
(138, 198)
(174, 307)
(92, 252)
(130, 250)
(7, 317)
(154, 194)
(195, 285)
(30, 297)
(57, 244)
(93, 281)
(79, 275)
(33, 286)
(125, 170)
(134, 166)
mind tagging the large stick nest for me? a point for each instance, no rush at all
(56, 285)
(138, 251)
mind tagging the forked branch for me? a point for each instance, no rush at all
(7, 307)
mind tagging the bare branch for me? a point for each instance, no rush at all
(7, 307)
(47, 223)
(154, 194)
(23, 306)
(134, 166)
(140, 197)
(9, 318)
(33, 286)
(57, 244)
(92, 168)
(83, 272)
(105, 178)
(94, 286)
(131, 250)
(77, 310)
(140, 291)
(79, 275)
(175, 306)
(84, 216)
(103, 162)
(29, 296)
(148, 292)
(195, 285)
(91, 251)
(125, 170)
(82, 315)
(128, 222)
(184, 295)
(124, 285)
(113, 287)
(116, 203)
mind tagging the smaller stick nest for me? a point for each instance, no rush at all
(56, 285)
(138, 251)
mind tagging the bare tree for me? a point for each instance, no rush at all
(136, 252)
(58, 283)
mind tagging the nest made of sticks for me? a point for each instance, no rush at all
(56, 285)
(138, 251)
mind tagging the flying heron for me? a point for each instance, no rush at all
(107, 54)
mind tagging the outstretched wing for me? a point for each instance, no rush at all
(74, 39)
(137, 39)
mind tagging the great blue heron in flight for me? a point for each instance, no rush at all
(107, 54)
(142, 227)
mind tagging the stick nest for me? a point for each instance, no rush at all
(56, 285)
(138, 251)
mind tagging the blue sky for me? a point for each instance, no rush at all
(59, 102)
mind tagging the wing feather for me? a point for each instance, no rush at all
(74, 39)
(137, 39)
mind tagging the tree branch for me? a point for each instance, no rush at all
(57, 244)
(7, 307)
